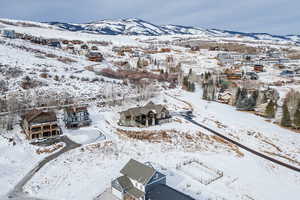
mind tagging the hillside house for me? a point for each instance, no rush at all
(94, 48)
(75, 117)
(55, 44)
(149, 115)
(258, 68)
(95, 56)
(84, 46)
(9, 34)
(40, 124)
(224, 97)
(142, 182)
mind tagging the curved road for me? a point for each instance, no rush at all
(17, 192)
(189, 118)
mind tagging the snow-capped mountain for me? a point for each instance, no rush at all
(140, 27)
(134, 26)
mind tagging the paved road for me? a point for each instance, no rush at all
(190, 119)
(17, 192)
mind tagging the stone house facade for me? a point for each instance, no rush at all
(148, 115)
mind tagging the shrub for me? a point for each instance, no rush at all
(286, 119)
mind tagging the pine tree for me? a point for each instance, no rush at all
(270, 110)
(185, 81)
(286, 119)
(139, 63)
(297, 117)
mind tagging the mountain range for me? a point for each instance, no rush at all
(134, 26)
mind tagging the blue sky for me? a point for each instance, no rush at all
(272, 16)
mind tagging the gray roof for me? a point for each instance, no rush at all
(138, 171)
(144, 110)
(124, 182)
(136, 192)
(163, 192)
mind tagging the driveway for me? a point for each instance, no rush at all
(17, 192)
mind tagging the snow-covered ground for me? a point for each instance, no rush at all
(16, 159)
(86, 172)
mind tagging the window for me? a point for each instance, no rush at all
(35, 136)
(35, 129)
(54, 126)
(128, 117)
(46, 134)
(54, 133)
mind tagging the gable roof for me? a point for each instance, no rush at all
(144, 110)
(124, 182)
(74, 109)
(163, 192)
(138, 171)
(40, 117)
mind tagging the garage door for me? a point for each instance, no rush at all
(117, 193)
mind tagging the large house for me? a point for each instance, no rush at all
(76, 117)
(9, 34)
(142, 182)
(40, 124)
(148, 115)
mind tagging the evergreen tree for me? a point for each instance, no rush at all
(204, 95)
(190, 72)
(270, 110)
(185, 81)
(297, 117)
(139, 63)
(192, 87)
(286, 119)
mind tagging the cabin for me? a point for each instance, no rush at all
(258, 68)
(84, 46)
(148, 115)
(40, 125)
(75, 117)
(11, 34)
(76, 42)
(95, 56)
(65, 42)
(224, 97)
(141, 181)
(55, 44)
(94, 48)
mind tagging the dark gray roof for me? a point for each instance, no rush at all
(164, 192)
(138, 171)
(144, 110)
(124, 182)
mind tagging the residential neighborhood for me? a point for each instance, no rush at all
(125, 109)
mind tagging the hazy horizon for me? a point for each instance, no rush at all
(269, 16)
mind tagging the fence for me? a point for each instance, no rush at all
(216, 174)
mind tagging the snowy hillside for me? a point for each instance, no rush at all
(141, 63)
(138, 27)
(141, 27)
